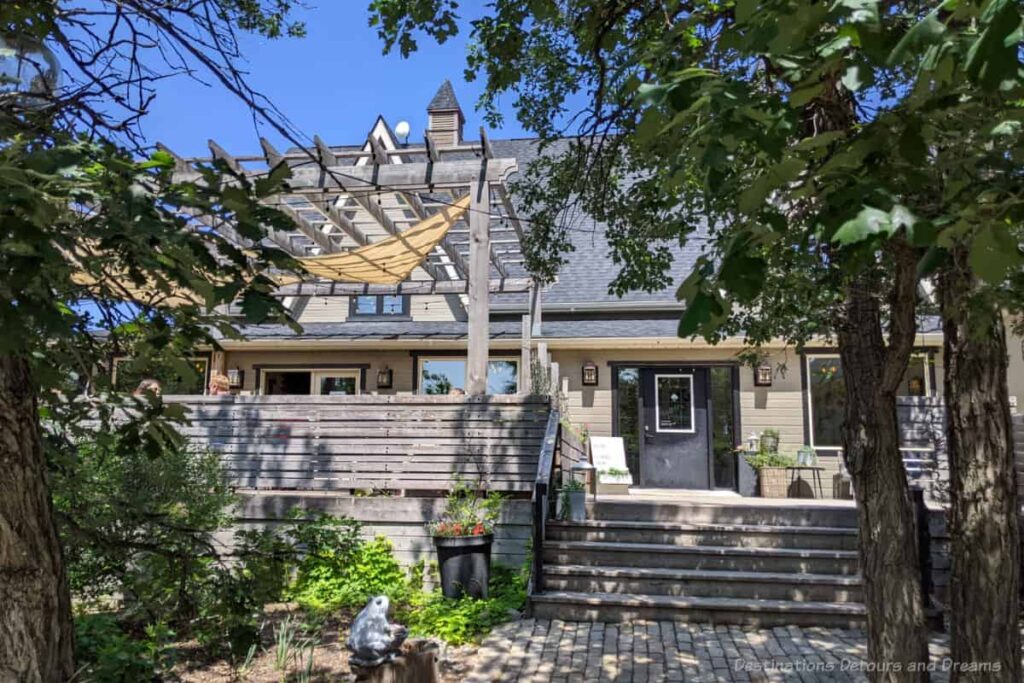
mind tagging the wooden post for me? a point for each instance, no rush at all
(556, 382)
(479, 277)
(543, 369)
(219, 363)
(525, 364)
(535, 309)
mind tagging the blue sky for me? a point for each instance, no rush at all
(333, 83)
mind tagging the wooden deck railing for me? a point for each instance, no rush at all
(337, 443)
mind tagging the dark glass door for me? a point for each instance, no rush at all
(676, 445)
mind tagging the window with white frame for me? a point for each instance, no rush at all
(379, 306)
(310, 381)
(673, 407)
(440, 375)
(826, 395)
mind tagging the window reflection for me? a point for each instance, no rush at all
(827, 395)
(627, 411)
(723, 427)
(439, 376)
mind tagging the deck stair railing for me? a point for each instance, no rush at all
(543, 490)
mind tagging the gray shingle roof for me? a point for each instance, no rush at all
(589, 270)
(637, 327)
(444, 99)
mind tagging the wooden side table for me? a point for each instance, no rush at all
(796, 474)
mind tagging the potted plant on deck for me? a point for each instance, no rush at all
(463, 537)
(771, 473)
(572, 501)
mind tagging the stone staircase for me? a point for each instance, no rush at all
(724, 563)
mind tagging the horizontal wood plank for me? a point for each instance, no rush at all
(332, 443)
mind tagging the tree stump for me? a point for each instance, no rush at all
(416, 664)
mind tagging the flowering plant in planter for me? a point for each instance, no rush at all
(467, 512)
(463, 538)
(458, 529)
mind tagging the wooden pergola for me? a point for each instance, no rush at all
(345, 198)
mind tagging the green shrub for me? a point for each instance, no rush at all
(107, 653)
(331, 580)
(139, 525)
(466, 619)
(762, 460)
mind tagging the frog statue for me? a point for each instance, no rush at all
(373, 641)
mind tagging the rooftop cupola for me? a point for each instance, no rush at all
(444, 117)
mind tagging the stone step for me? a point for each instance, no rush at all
(663, 556)
(794, 513)
(703, 583)
(622, 607)
(734, 535)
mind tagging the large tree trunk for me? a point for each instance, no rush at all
(983, 512)
(36, 633)
(897, 635)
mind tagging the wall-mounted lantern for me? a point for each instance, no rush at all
(385, 378)
(590, 374)
(236, 378)
(763, 375)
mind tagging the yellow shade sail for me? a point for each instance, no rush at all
(389, 261)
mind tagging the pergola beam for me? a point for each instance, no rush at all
(380, 157)
(218, 152)
(422, 287)
(379, 154)
(319, 237)
(278, 237)
(272, 156)
(382, 218)
(430, 147)
(331, 214)
(410, 176)
(327, 155)
(413, 150)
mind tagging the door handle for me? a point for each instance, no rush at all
(647, 435)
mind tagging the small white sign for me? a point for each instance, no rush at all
(608, 454)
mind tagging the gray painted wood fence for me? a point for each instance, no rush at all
(381, 460)
(381, 443)
(403, 521)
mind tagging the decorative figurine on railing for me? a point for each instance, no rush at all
(373, 640)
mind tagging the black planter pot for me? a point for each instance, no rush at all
(465, 564)
(747, 479)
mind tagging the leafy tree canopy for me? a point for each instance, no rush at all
(101, 252)
(786, 138)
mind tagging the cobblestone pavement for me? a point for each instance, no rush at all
(574, 652)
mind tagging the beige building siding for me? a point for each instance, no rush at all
(431, 309)
(324, 309)
(779, 406)
(334, 309)
(400, 362)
